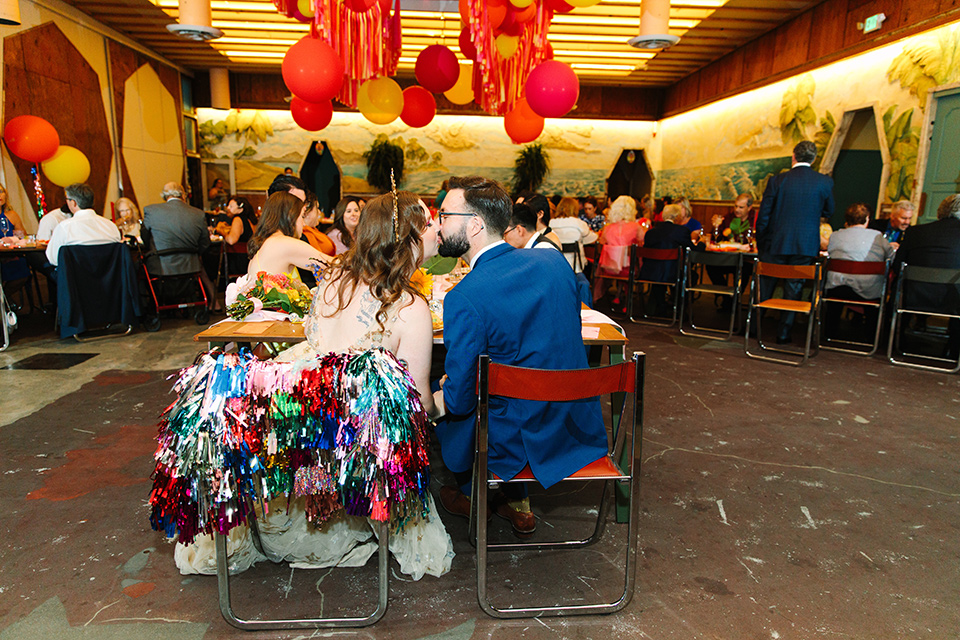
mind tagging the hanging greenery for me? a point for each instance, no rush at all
(381, 158)
(530, 168)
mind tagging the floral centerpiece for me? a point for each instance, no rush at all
(274, 292)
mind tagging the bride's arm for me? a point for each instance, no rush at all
(416, 348)
(303, 254)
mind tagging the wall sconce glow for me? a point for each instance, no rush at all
(10, 12)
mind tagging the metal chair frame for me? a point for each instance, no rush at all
(503, 380)
(931, 275)
(7, 327)
(811, 309)
(226, 608)
(201, 315)
(702, 258)
(637, 253)
(854, 267)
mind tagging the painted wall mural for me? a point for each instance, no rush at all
(582, 152)
(740, 142)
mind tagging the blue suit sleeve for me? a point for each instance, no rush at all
(828, 204)
(766, 207)
(465, 338)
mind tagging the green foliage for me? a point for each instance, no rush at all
(822, 137)
(530, 168)
(438, 265)
(382, 156)
(249, 125)
(928, 63)
(903, 142)
(796, 110)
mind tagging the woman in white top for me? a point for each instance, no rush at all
(568, 226)
(276, 247)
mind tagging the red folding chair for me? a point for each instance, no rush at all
(618, 466)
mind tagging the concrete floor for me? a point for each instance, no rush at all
(777, 503)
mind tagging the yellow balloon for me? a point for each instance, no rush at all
(520, 4)
(386, 93)
(583, 3)
(383, 111)
(67, 166)
(462, 92)
(305, 7)
(507, 45)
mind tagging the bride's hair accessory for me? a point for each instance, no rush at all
(396, 207)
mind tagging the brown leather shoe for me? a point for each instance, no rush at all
(455, 503)
(524, 522)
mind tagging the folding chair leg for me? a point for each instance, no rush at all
(893, 345)
(223, 581)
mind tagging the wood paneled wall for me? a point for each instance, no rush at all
(823, 34)
(267, 91)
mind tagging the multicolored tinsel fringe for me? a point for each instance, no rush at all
(346, 430)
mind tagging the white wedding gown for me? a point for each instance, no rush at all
(342, 541)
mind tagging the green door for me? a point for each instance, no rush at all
(942, 176)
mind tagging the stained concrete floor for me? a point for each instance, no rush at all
(777, 503)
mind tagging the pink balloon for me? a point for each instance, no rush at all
(437, 68)
(419, 107)
(467, 48)
(31, 138)
(312, 70)
(552, 89)
(311, 116)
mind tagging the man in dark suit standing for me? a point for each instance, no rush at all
(174, 224)
(521, 307)
(788, 225)
(936, 244)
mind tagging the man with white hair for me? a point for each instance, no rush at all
(893, 228)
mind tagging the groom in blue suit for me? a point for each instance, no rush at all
(519, 306)
(788, 225)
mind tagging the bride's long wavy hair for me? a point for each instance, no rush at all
(382, 256)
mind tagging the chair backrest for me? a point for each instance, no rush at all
(856, 267)
(547, 385)
(714, 258)
(96, 285)
(789, 271)
(931, 275)
(572, 248)
(657, 254)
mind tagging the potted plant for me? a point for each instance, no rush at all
(381, 158)
(530, 168)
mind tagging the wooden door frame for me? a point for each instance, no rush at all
(646, 161)
(832, 152)
(923, 152)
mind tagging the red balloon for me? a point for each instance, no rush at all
(311, 116)
(31, 138)
(522, 124)
(312, 70)
(467, 47)
(385, 7)
(528, 13)
(510, 25)
(552, 89)
(559, 6)
(496, 13)
(419, 107)
(359, 6)
(437, 68)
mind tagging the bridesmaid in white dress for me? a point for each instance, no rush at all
(364, 300)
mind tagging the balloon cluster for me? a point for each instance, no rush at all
(313, 71)
(35, 140)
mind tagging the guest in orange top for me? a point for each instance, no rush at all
(311, 219)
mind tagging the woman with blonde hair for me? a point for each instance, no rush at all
(129, 218)
(570, 229)
(622, 231)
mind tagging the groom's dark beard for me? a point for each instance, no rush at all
(454, 246)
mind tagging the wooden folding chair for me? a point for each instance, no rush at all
(706, 258)
(910, 275)
(563, 386)
(666, 255)
(854, 267)
(811, 308)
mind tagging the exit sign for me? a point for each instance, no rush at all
(873, 23)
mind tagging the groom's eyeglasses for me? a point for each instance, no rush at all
(444, 214)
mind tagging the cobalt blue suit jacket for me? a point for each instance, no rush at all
(521, 307)
(789, 220)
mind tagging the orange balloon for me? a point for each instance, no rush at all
(464, 11)
(522, 124)
(527, 14)
(496, 14)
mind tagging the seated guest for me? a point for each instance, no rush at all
(570, 229)
(346, 216)
(935, 244)
(734, 225)
(893, 228)
(519, 307)
(85, 227)
(11, 226)
(50, 220)
(174, 224)
(311, 220)
(855, 242)
(129, 218)
(243, 221)
(648, 209)
(290, 184)
(521, 232)
(275, 247)
(688, 221)
(541, 207)
(594, 218)
(217, 194)
(621, 232)
(38, 260)
(669, 234)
